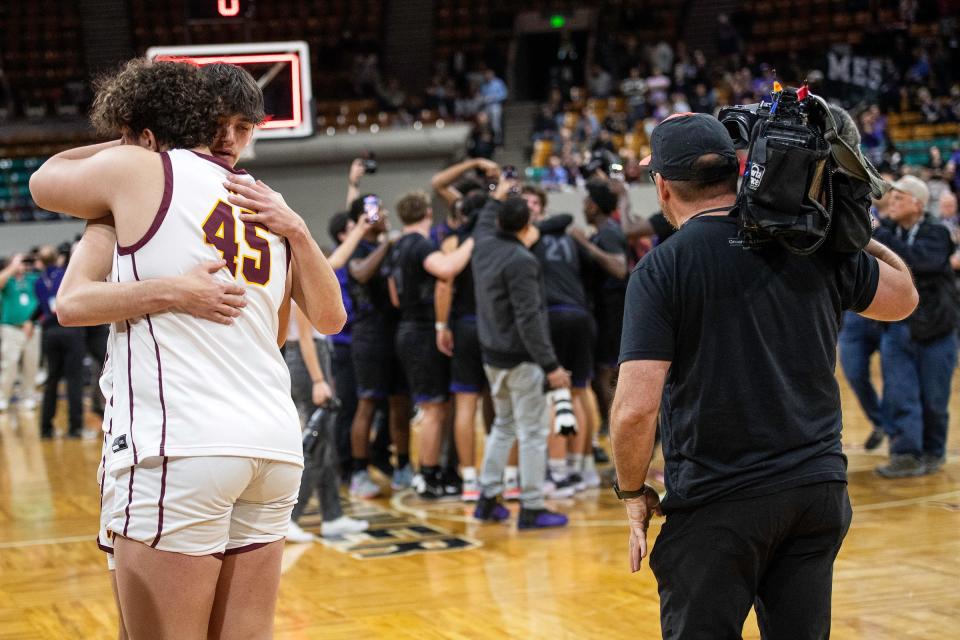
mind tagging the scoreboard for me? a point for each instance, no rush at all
(281, 69)
(219, 9)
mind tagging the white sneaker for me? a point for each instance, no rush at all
(471, 491)
(28, 404)
(591, 479)
(296, 534)
(343, 525)
(362, 486)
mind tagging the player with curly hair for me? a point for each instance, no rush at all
(206, 470)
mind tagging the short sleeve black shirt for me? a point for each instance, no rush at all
(374, 315)
(751, 405)
(464, 296)
(414, 284)
(562, 259)
(607, 290)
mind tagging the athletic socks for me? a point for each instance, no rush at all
(589, 464)
(469, 474)
(558, 469)
(360, 464)
(575, 462)
(510, 475)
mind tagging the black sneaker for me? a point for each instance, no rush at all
(600, 456)
(490, 510)
(452, 483)
(540, 519)
(933, 463)
(902, 465)
(430, 486)
(875, 439)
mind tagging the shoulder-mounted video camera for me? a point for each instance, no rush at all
(805, 182)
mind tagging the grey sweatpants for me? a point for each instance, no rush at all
(520, 406)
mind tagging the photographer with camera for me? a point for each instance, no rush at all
(20, 339)
(919, 354)
(732, 342)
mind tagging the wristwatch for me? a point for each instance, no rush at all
(624, 495)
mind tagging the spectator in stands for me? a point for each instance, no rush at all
(63, 348)
(19, 337)
(481, 143)
(658, 86)
(599, 82)
(634, 89)
(555, 175)
(494, 93)
(704, 100)
(919, 354)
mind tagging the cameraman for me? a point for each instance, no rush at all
(738, 339)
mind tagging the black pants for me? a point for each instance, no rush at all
(320, 470)
(96, 341)
(63, 348)
(345, 382)
(775, 552)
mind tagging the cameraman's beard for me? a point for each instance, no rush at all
(669, 215)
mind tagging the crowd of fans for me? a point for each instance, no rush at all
(634, 85)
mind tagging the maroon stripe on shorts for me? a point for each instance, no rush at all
(104, 547)
(247, 547)
(126, 522)
(156, 349)
(130, 394)
(163, 490)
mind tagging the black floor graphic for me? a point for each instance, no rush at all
(390, 535)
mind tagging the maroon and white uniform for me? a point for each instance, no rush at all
(204, 430)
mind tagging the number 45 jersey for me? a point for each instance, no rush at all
(190, 387)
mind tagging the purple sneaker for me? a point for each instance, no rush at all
(540, 519)
(490, 510)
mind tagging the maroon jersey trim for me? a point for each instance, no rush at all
(161, 212)
(222, 163)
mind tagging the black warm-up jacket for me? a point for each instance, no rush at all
(511, 308)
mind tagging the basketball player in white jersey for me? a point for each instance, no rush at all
(205, 437)
(87, 298)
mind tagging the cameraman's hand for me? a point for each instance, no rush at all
(639, 512)
(356, 172)
(559, 378)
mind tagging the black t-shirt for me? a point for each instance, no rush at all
(751, 405)
(562, 259)
(374, 315)
(608, 291)
(414, 284)
(661, 227)
(464, 297)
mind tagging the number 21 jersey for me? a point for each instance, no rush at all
(190, 387)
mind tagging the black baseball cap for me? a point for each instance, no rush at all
(678, 141)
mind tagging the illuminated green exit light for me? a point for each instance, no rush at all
(557, 21)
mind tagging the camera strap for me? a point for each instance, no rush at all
(709, 211)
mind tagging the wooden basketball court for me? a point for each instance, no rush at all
(427, 571)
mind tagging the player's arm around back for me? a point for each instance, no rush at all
(85, 299)
(315, 289)
(93, 181)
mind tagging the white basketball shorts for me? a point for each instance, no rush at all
(106, 482)
(205, 505)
